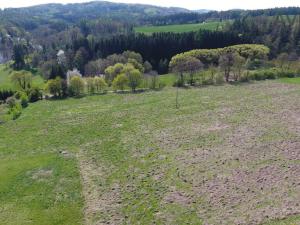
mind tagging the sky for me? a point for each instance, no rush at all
(190, 4)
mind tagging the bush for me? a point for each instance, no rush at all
(19, 94)
(14, 107)
(207, 79)
(35, 94)
(288, 73)
(245, 77)
(76, 87)
(272, 73)
(120, 82)
(161, 85)
(297, 72)
(219, 79)
(254, 64)
(11, 102)
(64, 88)
(54, 87)
(153, 81)
(257, 75)
(90, 83)
(24, 100)
(4, 94)
(180, 82)
(15, 111)
(100, 84)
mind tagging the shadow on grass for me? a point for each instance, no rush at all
(241, 83)
(119, 92)
(138, 91)
(55, 98)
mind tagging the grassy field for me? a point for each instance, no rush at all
(5, 81)
(228, 155)
(291, 80)
(181, 28)
(168, 79)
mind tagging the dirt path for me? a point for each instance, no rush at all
(99, 202)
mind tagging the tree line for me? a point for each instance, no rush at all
(193, 17)
(238, 63)
(279, 33)
(156, 49)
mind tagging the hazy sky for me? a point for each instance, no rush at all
(191, 4)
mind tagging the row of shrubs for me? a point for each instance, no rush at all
(267, 74)
(34, 94)
(77, 85)
(215, 77)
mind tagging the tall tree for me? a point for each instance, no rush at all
(19, 52)
(226, 63)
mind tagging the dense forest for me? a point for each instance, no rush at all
(280, 33)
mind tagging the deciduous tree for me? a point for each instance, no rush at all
(76, 87)
(54, 87)
(134, 79)
(100, 84)
(120, 82)
(22, 79)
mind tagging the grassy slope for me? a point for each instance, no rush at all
(38, 184)
(180, 28)
(133, 151)
(5, 83)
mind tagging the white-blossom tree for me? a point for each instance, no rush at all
(61, 57)
(73, 73)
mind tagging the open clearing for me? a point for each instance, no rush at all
(229, 155)
(5, 78)
(181, 28)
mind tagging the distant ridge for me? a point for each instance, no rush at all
(201, 10)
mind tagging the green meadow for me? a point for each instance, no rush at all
(136, 159)
(181, 28)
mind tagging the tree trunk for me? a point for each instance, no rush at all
(177, 90)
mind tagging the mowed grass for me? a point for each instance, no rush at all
(180, 28)
(136, 159)
(5, 78)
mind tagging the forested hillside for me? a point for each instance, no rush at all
(47, 25)
(194, 17)
(88, 32)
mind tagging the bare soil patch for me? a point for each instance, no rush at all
(99, 203)
(42, 174)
